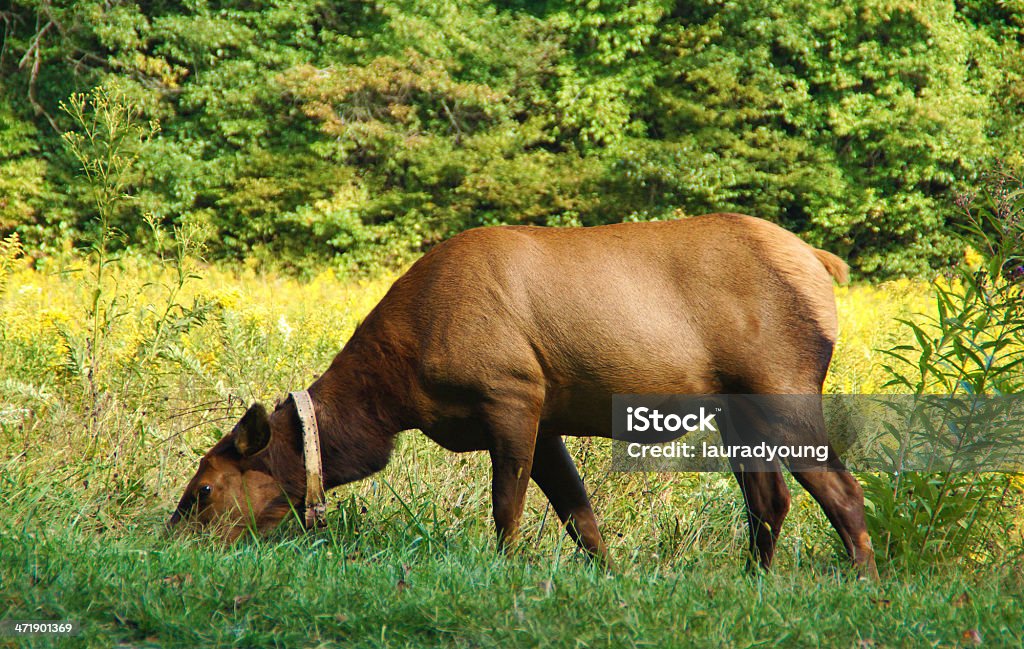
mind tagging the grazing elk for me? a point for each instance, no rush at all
(504, 339)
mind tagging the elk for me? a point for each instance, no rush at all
(504, 339)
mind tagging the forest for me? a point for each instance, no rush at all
(360, 133)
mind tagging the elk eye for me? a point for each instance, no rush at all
(205, 490)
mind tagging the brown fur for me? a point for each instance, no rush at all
(504, 339)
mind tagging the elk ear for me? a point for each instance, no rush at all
(252, 434)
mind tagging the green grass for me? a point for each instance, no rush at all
(400, 571)
(337, 590)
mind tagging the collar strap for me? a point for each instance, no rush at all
(315, 496)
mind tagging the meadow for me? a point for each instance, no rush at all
(116, 376)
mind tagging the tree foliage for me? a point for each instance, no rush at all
(301, 131)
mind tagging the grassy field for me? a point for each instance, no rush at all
(107, 399)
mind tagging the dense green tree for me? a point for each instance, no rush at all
(850, 122)
(298, 131)
(21, 171)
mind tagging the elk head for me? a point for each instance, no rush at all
(250, 480)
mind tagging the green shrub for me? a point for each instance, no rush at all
(972, 348)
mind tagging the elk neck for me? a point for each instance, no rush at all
(360, 408)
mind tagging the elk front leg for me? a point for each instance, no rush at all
(513, 437)
(556, 474)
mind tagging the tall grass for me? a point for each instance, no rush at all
(262, 335)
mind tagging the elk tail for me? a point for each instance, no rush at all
(835, 266)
